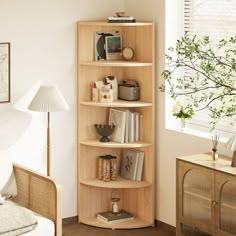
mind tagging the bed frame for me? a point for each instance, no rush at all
(39, 193)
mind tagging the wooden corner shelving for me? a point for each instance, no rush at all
(94, 195)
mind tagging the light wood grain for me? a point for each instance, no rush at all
(93, 195)
(220, 202)
(119, 183)
(135, 223)
(104, 23)
(97, 143)
(115, 63)
(118, 103)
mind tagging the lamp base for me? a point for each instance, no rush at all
(233, 163)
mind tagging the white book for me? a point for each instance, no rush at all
(129, 164)
(140, 166)
(136, 126)
(127, 127)
(141, 127)
(118, 118)
(131, 127)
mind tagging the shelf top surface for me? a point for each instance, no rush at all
(134, 223)
(97, 143)
(222, 164)
(118, 103)
(105, 23)
(119, 183)
(114, 63)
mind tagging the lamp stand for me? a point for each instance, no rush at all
(48, 146)
(233, 163)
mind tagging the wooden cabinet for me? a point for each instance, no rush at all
(95, 195)
(206, 196)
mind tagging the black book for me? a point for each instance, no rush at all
(110, 217)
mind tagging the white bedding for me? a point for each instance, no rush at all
(45, 227)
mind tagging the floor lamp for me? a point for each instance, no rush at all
(48, 99)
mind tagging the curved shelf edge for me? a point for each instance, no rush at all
(120, 183)
(118, 103)
(115, 63)
(97, 143)
(130, 224)
(105, 23)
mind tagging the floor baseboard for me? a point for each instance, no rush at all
(70, 220)
(167, 227)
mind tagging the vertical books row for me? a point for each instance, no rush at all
(128, 125)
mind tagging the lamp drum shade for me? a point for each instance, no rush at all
(48, 99)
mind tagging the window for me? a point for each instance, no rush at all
(217, 19)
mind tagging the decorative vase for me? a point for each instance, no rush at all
(105, 131)
(183, 123)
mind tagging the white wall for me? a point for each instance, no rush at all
(43, 48)
(169, 144)
(43, 43)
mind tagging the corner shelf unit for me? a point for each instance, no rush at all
(95, 195)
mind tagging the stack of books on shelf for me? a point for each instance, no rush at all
(121, 19)
(128, 125)
(110, 217)
(132, 164)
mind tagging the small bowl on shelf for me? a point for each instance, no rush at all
(105, 131)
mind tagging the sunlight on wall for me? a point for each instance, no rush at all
(23, 133)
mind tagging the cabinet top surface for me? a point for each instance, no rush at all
(105, 23)
(222, 164)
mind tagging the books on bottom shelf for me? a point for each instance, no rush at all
(128, 125)
(110, 217)
(132, 164)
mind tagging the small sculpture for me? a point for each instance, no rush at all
(104, 131)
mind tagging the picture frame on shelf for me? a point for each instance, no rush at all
(129, 166)
(113, 47)
(100, 43)
(4, 72)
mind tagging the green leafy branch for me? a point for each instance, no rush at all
(203, 73)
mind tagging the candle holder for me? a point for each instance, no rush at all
(215, 139)
(115, 205)
(104, 131)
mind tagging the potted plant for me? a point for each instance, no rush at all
(183, 111)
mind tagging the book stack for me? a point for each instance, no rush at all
(132, 164)
(110, 217)
(128, 125)
(121, 19)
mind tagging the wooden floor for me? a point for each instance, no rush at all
(74, 229)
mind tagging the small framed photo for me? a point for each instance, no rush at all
(4, 72)
(113, 48)
(100, 43)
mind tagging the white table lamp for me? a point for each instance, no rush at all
(231, 144)
(48, 99)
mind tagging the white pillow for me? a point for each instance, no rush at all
(7, 178)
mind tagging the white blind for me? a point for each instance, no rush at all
(217, 19)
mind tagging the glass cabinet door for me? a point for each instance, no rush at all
(197, 195)
(227, 207)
